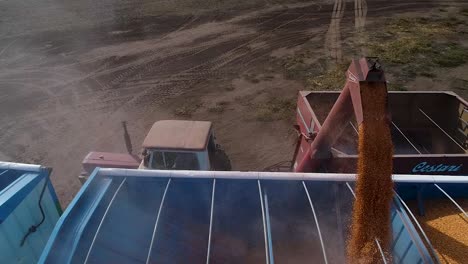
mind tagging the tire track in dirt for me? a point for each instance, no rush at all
(333, 36)
(219, 61)
(296, 40)
(166, 71)
(189, 20)
(177, 58)
(210, 68)
(54, 101)
(271, 39)
(147, 56)
(19, 60)
(207, 47)
(63, 83)
(39, 72)
(6, 47)
(185, 24)
(271, 43)
(233, 55)
(203, 74)
(95, 74)
(170, 91)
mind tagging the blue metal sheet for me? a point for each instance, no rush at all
(134, 206)
(184, 223)
(12, 195)
(238, 233)
(67, 234)
(292, 223)
(429, 191)
(407, 246)
(145, 219)
(333, 203)
(7, 177)
(19, 210)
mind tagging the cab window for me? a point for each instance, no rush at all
(174, 161)
(185, 161)
(157, 161)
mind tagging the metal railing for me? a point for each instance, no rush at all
(316, 223)
(407, 139)
(102, 220)
(451, 199)
(211, 221)
(441, 129)
(421, 230)
(265, 227)
(157, 221)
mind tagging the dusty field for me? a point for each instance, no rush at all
(71, 72)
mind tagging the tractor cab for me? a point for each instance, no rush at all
(169, 145)
(181, 145)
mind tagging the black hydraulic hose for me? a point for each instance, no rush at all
(33, 228)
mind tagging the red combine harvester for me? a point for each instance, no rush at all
(429, 129)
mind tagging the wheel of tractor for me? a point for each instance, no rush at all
(221, 160)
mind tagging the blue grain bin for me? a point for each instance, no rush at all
(21, 186)
(135, 216)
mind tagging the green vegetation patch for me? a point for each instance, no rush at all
(407, 47)
(187, 109)
(419, 41)
(459, 84)
(396, 87)
(401, 50)
(422, 26)
(449, 55)
(275, 109)
(464, 11)
(251, 78)
(296, 67)
(219, 107)
(230, 87)
(330, 79)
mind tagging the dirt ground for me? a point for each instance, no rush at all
(72, 72)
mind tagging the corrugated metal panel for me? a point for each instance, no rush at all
(19, 210)
(405, 251)
(150, 217)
